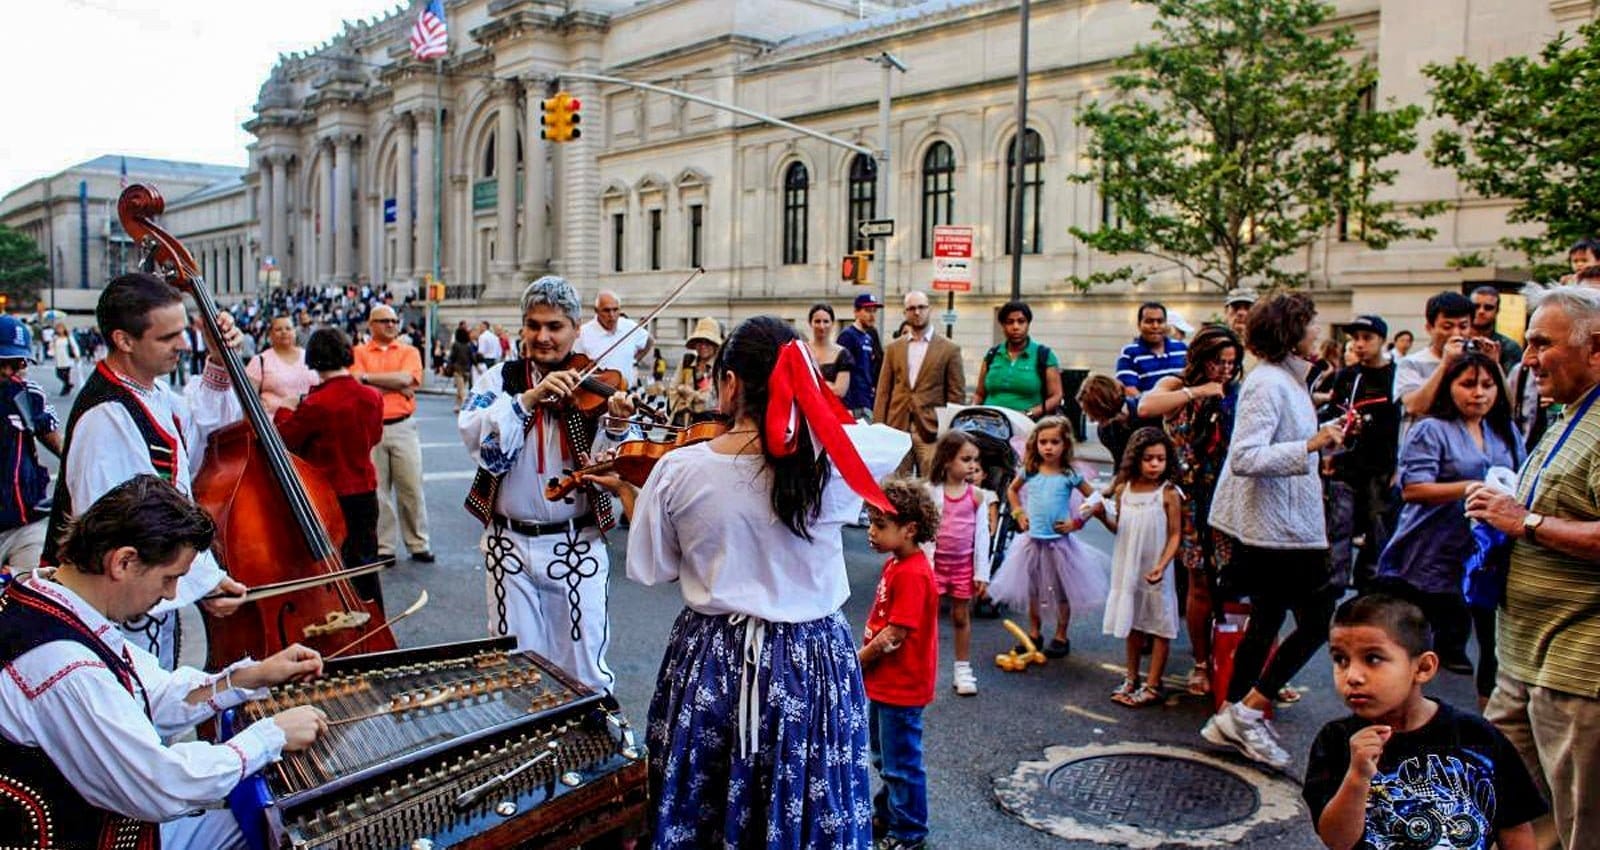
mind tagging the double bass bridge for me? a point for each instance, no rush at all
(337, 621)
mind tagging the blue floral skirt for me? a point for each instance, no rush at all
(794, 773)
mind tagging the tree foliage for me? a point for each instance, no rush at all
(1239, 137)
(23, 267)
(1526, 130)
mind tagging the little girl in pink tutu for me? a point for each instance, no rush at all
(1048, 563)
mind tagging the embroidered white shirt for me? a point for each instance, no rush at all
(61, 698)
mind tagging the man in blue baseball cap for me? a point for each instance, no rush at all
(26, 418)
(860, 338)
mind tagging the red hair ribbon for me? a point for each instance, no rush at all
(796, 391)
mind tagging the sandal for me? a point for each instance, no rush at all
(1199, 682)
(1146, 695)
(1125, 690)
(1058, 648)
(1289, 695)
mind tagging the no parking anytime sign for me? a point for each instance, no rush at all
(952, 258)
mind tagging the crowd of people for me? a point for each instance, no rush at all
(1255, 473)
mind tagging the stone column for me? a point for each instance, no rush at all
(266, 196)
(325, 240)
(279, 246)
(505, 170)
(427, 203)
(535, 250)
(402, 202)
(343, 213)
(377, 241)
(580, 174)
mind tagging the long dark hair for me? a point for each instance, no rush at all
(1129, 470)
(1444, 407)
(1207, 346)
(751, 353)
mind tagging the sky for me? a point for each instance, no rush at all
(171, 79)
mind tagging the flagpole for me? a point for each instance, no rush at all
(438, 188)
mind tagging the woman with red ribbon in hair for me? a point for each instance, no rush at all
(758, 727)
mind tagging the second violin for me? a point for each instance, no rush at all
(634, 460)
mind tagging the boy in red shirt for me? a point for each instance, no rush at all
(898, 661)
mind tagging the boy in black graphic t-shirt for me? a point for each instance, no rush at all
(1406, 772)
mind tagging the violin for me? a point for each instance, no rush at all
(634, 459)
(596, 387)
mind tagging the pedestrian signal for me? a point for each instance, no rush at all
(559, 117)
(855, 267)
(435, 292)
(5, 301)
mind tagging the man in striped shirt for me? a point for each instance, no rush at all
(1547, 694)
(1152, 355)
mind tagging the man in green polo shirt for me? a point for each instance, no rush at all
(1019, 374)
(1547, 695)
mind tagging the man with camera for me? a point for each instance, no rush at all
(1417, 375)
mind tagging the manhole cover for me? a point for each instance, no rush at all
(1143, 795)
(1151, 791)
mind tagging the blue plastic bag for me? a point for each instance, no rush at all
(1484, 582)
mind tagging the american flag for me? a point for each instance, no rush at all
(429, 37)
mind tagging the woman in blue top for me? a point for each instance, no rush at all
(1467, 430)
(1019, 374)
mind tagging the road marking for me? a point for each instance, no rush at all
(455, 444)
(453, 475)
(1092, 715)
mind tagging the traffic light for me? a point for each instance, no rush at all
(5, 302)
(559, 117)
(436, 292)
(855, 267)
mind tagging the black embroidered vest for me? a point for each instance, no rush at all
(101, 387)
(516, 376)
(38, 806)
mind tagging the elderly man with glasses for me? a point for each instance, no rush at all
(394, 368)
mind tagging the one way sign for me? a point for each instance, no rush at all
(876, 227)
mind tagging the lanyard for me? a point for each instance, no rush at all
(1588, 401)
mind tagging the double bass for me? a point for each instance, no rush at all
(279, 523)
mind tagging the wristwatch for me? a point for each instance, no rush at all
(1530, 525)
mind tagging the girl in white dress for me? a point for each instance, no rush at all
(1143, 605)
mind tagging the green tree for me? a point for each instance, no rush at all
(1238, 137)
(1526, 130)
(22, 267)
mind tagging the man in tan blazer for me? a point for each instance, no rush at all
(921, 372)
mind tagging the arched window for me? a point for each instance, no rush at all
(796, 204)
(938, 191)
(1032, 190)
(863, 200)
(488, 157)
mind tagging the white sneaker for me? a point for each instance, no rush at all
(1253, 737)
(965, 682)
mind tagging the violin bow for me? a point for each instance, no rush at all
(415, 607)
(665, 303)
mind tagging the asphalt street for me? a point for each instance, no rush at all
(969, 741)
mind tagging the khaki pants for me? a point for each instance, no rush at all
(399, 461)
(1554, 732)
(20, 547)
(919, 458)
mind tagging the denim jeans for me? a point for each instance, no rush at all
(895, 736)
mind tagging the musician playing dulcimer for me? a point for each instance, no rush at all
(545, 562)
(128, 421)
(84, 711)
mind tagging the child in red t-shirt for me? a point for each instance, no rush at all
(898, 661)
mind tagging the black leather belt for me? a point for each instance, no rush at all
(540, 529)
(395, 421)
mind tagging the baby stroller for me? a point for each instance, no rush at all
(999, 434)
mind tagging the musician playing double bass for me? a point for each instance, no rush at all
(84, 711)
(545, 562)
(127, 421)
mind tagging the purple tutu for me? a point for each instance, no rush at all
(1057, 569)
